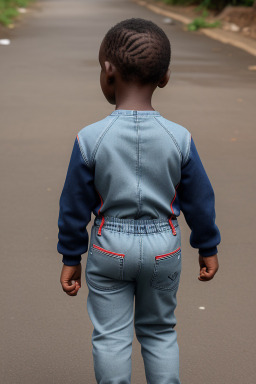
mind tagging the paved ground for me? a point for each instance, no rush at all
(49, 78)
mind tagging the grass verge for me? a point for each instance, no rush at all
(200, 22)
(9, 10)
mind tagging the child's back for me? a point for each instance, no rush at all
(137, 158)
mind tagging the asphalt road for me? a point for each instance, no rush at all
(49, 90)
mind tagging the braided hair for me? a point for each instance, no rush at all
(139, 49)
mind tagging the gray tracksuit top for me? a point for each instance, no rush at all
(135, 165)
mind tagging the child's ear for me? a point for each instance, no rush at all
(110, 71)
(162, 83)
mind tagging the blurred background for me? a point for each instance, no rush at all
(49, 90)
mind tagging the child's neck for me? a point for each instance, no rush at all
(134, 97)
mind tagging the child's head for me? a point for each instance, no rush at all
(134, 52)
(139, 49)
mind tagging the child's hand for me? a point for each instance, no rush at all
(70, 279)
(208, 267)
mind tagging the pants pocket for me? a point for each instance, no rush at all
(104, 267)
(167, 271)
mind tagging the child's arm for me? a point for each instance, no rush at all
(77, 201)
(196, 198)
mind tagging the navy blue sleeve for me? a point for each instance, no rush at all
(196, 199)
(77, 201)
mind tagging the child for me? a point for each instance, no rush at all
(135, 171)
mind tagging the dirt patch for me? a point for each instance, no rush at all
(4, 32)
(242, 17)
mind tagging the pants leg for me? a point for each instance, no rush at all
(112, 316)
(155, 302)
(110, 307)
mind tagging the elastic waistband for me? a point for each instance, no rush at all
(135, 226)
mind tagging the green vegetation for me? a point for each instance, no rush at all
(9, 10)
(211, 4)
(200, 22)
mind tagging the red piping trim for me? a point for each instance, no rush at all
(77, 138)
(101, 225)
(174, 197)
(167, 254)
(106, 251)
(101, 202)
(102, 219)
(172, 227)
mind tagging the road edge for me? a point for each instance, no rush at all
(216, 34)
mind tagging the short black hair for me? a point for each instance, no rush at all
(139, 49)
